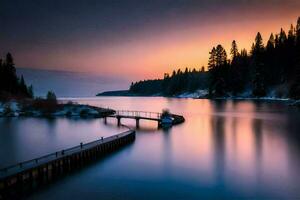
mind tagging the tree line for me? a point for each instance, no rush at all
(10, 84)
(271, 67)
(274, 67)
(176, 83)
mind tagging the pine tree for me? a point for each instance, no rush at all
(9, 60)
(291, 35)
(235, 77)
(11, 78)
(10, 85)
(258, 47)
(23, 87)
(212, 59)
(271, 42)
(218, 71)
(30, 91)
(51, 96)
(173, 73)
(277, 43)
(282, 37)
(298, 32)
(244, 53)
(259, 89)
(244, 68)
(270, 62)
(202, 69)
(295, 87)
(234, 50)
(221, 56)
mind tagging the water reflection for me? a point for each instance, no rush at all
(225, 149)
(219, 151)
(26, 138)
(257, 130)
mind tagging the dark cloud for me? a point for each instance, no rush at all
(34, 19)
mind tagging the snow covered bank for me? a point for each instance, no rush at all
(44, 109)
(196, 94)
(10, 109)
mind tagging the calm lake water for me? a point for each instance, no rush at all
(225, 149)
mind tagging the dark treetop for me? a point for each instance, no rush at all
(274, 67)
(10, 84)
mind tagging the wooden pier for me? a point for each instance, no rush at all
(142, 115)
(24, 177)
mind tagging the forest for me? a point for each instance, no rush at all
(12, 86)
(271, 69)
(178, 82)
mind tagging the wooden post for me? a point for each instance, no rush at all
(137, 122)
(119, 121)
(158, 124)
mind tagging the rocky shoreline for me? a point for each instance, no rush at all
(44, 108)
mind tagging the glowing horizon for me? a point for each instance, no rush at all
(158, 45)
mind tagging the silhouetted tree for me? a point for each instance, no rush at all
(235, 80)
(10, 71)
(266, 68)
(270, 63)
(259, 89)
(30, 91)
(271, 43)
(218, 71)
(298, 32)
(10, 85)
(202, 69)
(294, 91)
(221, 56)
(23, 87)
(178, 82)
(212, 59)
(51, 96)
(234, 51)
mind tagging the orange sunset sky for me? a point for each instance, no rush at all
(137, 42)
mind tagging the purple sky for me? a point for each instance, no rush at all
(133, 38)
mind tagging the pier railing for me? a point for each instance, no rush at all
(59, 154)
(141, 114)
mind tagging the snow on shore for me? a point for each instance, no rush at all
(15, 109)
(197, 94)
(247, 95)
(10, 109)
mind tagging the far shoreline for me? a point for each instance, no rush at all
(190, 96)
